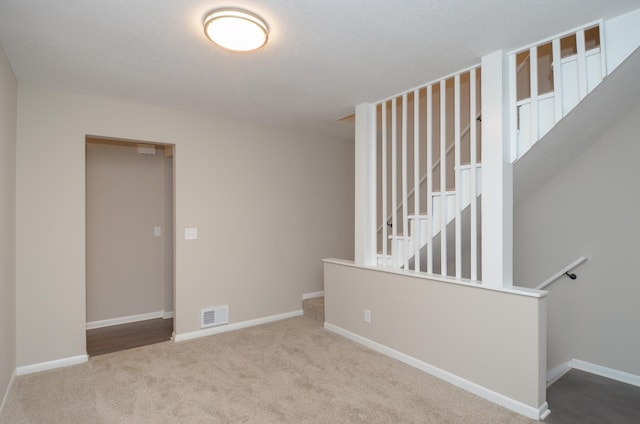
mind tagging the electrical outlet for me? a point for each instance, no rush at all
(367, 315)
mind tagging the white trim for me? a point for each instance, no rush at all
(621, 376)
(235, 326)
(476, 389)
(544, 411)
(51, 365)
(124, 320)
(557, 373)
(312, 295)
(9, 387)
(167, 315)
(613, 374)
(522, 291)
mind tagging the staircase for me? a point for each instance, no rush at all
(427, 146)
(429, 171)
(419, 224)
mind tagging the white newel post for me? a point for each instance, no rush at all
(365, 185)
(497, 174)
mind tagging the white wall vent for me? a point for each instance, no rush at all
(214, 316)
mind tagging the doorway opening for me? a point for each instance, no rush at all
(129, 243)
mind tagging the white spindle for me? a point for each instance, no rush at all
(405, 197)
(513, 105)
(429, 181)
(394, 183)
(384, 212)
(557, 79)
(443, 178)
(603, 57)
(417, 223)
(582, 64)
(473, 159)
(533, 73)
(458, 185)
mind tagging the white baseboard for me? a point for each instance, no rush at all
(167, 315)
(125, 320)
(9, 387)
(483, 392)
(235, 326)
(557, 373)
(613, 374)
(312, 295)
(50, 365)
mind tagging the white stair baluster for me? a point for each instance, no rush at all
(394, 184)
(405, 197)
(582, 64)
(384, 212)
(429, 181)
(557, 79)
(533, 74)
(473, 159)
(458, 186)
(443, 178)
(417, 240)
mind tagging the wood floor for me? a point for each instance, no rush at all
(583, 398)
(127, 336)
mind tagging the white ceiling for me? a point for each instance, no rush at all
(323, 57)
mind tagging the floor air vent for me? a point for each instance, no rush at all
(214, 316)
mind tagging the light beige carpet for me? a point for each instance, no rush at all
(292, 371)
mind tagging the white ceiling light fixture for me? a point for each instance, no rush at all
(236, 29)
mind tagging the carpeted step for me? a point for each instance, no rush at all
(314, 308)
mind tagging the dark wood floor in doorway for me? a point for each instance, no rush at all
(583, 398)
(127, 336)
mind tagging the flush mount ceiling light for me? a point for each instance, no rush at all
(236, 29)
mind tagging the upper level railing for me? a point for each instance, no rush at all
(549, 78)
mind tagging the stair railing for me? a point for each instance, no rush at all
(563, 271)
(436, 164)
(397, 250)
(573, 75)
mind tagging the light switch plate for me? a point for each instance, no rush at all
(190, 233)
(157, 231)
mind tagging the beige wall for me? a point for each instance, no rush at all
(268, 203)
(590, 209)
(491, 338)
(125, 201)
(8, 108)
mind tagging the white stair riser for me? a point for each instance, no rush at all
(418, 225)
